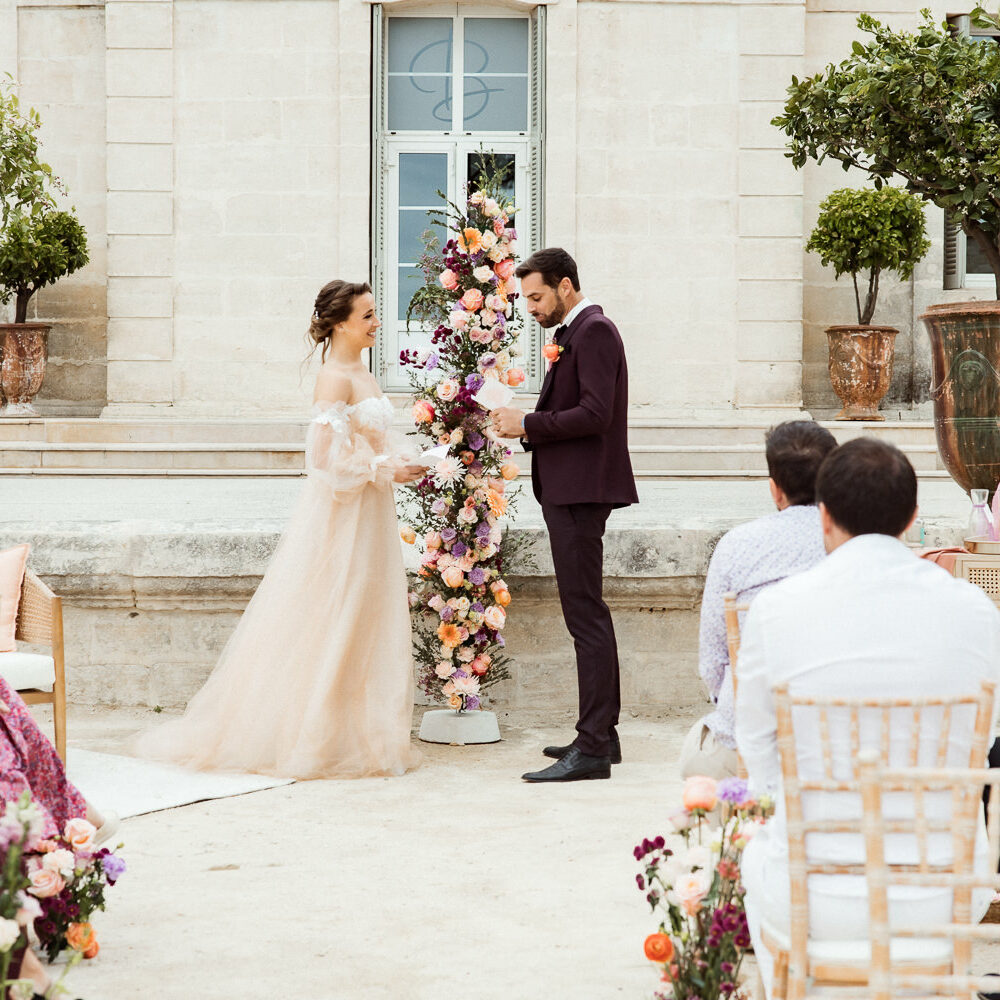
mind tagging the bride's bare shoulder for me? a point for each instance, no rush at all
(333, 385)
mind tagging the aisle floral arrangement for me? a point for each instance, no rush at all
(703, 936)
(68, 876)
(459, 597)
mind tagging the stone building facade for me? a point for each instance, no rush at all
(225, 155)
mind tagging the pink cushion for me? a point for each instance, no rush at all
(12, 563)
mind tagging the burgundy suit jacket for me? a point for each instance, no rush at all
(578, 434)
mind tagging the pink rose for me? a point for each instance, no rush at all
(448, 279)
(691, 890)
(447, 389)
(495, 617)
(423, 413)
(433, 539)
(436, 602)
(468, 515)
(498, 226)
(472, 299)
(699, 793)
(453, 576)
(504, 269)
(479, 666)
(79, 833)
(61, 861)
(459, 320)
(511, 284)
(444, 670)
(496, 304)
(45, 883)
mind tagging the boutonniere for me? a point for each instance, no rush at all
(552, 352)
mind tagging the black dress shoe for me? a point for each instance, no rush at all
(991, 996)
(573, 766)
(614, 753)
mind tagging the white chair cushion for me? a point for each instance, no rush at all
(921, 951)
(28, 670)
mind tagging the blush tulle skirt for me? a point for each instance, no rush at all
(317, 680)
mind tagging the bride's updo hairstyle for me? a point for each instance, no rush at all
(333, 305)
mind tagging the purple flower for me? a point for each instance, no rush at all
(471, 702)
(114, 867)
(438, 508)
(449, 534)
(500, 641)
(477, 606)
(475, 441)
(483, 529)
(447, 613)
(474, 383)
(458, 549)
(476, 576)
(482, 635)
(732, 790)
(432, 361)
(476, 468)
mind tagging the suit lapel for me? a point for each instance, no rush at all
(563, 342)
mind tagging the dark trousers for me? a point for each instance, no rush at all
(576, 533)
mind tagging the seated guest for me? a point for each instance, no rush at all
(29, 763)
(747, 559)
(871, 620)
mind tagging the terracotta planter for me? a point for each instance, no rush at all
(861, 368)
(965, 354)
(23, 352)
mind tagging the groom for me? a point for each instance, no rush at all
(580, 471)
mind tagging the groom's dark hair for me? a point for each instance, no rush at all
(553, 264)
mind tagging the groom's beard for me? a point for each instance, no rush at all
(553, 318)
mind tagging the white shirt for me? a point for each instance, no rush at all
(575, 311)
(871, 620)
(747, 559)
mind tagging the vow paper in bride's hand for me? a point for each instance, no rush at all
(493, 395)
(433, 455)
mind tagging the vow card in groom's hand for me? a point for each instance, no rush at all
(493, 395)
(433, 455)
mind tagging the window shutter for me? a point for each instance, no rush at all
(534, 337)
(380, 168)
(954, 253)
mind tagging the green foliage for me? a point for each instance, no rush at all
(35, 251)
(24, 180)
(923, 106)
(867, 230)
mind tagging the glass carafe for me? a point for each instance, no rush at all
(980, 519)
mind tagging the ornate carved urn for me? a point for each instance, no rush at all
(23, 353)
(965, 353)
(861, 368)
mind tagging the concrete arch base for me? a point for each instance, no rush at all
(459, 728)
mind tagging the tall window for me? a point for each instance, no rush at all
(965, 264)
(449, 89)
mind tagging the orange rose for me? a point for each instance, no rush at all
(467, 457)
(551, 352)
(659, 948)
(509, 470)
(515, 376)
(92, 951)
(502, 597)
(699, 793)
(449, 634)
(453, 576)
(505, 269)
(423, 412)
(45, 883)
(470, 241)
(407, 534)
(455, 701)
(472, 299)
(80, 936)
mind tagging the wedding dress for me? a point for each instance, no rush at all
(317, 680)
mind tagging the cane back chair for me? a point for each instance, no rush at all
(896, 727)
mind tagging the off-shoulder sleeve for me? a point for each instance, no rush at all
(341, 457)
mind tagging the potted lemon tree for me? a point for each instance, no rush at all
(866, 231)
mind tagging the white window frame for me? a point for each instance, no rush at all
(458, 143)
(956, 243)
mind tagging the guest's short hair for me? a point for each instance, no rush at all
(552, 264)
(868, 487)
(795, 450)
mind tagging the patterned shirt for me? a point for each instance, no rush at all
(747, 559)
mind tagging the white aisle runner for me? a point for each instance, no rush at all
(131, 786)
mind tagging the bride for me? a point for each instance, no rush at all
(317, 679)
